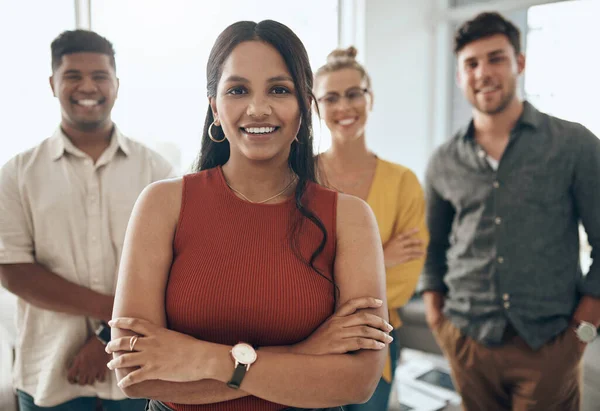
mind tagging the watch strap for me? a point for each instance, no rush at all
(238, 375)
(103, 333)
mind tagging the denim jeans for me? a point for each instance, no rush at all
(81, 404)
(381, 397)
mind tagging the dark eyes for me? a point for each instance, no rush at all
(280, 90)
(240, 90)
(494, 60)
(236, 91)
(76, 77)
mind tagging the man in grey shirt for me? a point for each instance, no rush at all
(503, 288)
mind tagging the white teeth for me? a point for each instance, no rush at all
(87, 103)
(259, 130)
(488, 89)
(347, 121)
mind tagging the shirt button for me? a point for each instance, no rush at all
(500, 260)
(505, 297)
(507, 305)
(498, 220)
(496, 184)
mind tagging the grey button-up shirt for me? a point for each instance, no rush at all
(505, 243)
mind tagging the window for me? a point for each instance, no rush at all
(162, 49)
(27, 28)
(561, 75)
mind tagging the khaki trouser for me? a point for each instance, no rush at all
(513, 376)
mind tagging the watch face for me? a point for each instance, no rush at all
(243, 353)
(586, 332)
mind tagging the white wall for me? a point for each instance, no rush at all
(400, 48)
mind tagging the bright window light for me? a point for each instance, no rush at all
(162, 49)
(28, 108)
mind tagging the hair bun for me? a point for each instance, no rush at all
(342, 55)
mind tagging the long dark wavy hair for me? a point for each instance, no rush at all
(301, 159)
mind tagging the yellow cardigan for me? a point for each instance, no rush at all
(398, 202)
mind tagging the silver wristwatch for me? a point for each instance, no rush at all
(586, 332)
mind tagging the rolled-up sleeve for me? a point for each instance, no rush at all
(439, 215)
(586, 191)
(16, 239)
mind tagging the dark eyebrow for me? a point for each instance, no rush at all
(495, 53)
(281, 78)
(234, 78)
(74, 71)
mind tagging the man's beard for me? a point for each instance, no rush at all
(504, 103)
(90, 125)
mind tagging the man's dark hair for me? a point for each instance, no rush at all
(80, 41)
(486, 25)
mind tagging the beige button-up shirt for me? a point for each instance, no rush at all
(59, 209)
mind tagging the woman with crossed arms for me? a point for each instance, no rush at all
(246, 285)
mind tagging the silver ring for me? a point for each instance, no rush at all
(132, 342)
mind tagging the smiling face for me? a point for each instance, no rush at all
(86, 87)
(488, 70)
(256, 103)
(344, 103)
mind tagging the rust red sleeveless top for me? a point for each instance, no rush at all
(236, 277)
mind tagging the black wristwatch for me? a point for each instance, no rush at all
(103, 333)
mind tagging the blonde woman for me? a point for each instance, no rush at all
(343, 92)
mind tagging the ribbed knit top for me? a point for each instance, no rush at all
(236, 277)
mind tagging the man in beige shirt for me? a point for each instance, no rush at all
(64, 208)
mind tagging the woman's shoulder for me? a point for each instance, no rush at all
(163, 192)
(352, 210)
(160, 201)
(163, 188)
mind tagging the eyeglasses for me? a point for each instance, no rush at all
(355, 96)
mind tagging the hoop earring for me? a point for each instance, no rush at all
(211, 136)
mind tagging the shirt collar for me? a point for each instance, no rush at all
(529, 117)
(60, 143)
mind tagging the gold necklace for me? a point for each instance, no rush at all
(263, 201)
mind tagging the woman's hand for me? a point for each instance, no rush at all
(348, 329)
(160, 353)
(403, 248)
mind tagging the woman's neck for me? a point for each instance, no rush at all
(259, 180)
(348, 155)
